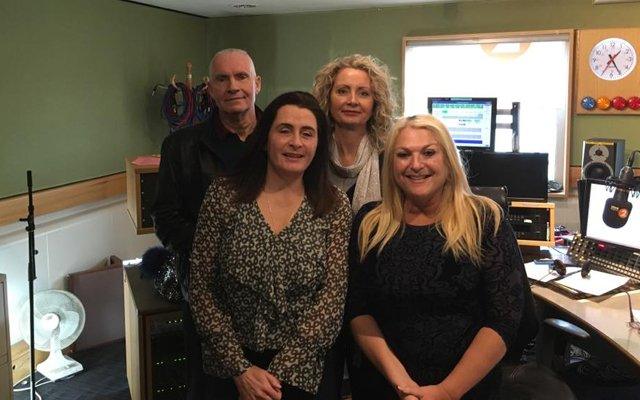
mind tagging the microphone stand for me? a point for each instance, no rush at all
(32, 276)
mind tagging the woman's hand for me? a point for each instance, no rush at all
(258, 384)
(431, 392)
(407, 384)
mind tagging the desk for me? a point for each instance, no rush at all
(604, 318)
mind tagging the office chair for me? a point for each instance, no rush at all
(528, 380)
(495, 193)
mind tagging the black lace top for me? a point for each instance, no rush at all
(430, 307)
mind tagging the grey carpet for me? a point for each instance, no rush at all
(104, 377)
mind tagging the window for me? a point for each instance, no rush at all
(532, 68)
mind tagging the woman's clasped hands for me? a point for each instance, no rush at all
(258, 384)
(431, 392)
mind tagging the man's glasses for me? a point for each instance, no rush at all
(632, 322)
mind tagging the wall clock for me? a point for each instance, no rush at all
(612, 59)
(606, 69)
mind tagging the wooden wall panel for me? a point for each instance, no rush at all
(60, 198)
(588, 84)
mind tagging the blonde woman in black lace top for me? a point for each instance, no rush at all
(269, 261)
(437, 287)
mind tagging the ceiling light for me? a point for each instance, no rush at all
(244, 6)
(505, 51)
(502, 48)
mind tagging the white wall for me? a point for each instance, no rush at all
(67, 241)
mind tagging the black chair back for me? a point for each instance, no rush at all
(495, 193)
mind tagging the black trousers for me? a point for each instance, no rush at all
(367, 383)
(333, 374)
(193, 353)
(225, 388)
(200, 383)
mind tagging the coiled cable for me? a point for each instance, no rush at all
(204, 104)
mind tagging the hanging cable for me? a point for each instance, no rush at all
(184, 105)
(204, 104)
(158, 86)
(178, 111)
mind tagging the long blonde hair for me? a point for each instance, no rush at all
(460, 216)
(383, 97)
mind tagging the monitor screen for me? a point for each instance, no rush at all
(523, 174)
(471, 121)
(613, 215)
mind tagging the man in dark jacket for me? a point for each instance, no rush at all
(191, 158)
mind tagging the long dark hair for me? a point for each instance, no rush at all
(251, 174)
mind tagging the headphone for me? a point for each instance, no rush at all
(561, 268)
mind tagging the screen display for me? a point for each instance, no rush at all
(471, 121)
(613, 216)
(523, 174)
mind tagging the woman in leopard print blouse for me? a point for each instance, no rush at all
(269, 264)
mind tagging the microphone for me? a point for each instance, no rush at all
(618, 208)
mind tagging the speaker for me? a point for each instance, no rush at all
(602, 158)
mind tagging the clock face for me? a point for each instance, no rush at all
(612, 59)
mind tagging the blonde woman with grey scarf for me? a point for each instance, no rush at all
(355, 93)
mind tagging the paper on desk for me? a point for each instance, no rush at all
(597, 283)
(540, 272)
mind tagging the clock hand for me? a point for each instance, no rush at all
(606, 67)
(615, 55)
(611, 60)
(614, 63)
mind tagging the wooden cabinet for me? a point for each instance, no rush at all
(6, 384)
(141, 191)
(156, 365)
(533, 217)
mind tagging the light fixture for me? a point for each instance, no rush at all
(613, 1)
(245, 6)
(506, 50)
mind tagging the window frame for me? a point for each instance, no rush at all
(505, 37)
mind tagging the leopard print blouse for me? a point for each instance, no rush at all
(252, 289)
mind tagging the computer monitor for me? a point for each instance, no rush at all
(523, 174)
(610, 217)
(470, 120)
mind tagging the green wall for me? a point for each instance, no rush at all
(289, 49)
(75, 85)
(76, 75)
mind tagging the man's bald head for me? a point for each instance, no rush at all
(234, 84)
(229, 51)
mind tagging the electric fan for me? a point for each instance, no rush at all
(58, 318)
